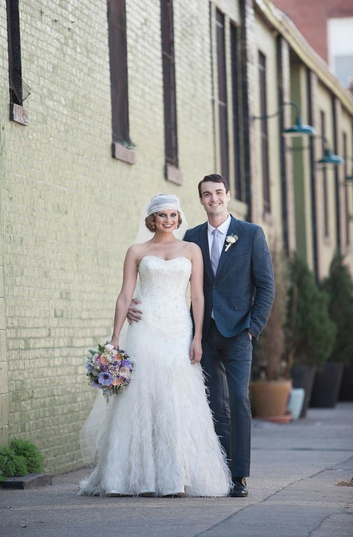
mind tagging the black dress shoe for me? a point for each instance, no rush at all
(240, 488)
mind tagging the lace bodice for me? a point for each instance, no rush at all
(162, 291)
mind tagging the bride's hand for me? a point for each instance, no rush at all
(115, 342)
(195, 351)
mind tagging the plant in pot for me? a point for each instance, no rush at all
(310, 333)
(339, 286)
(270, 392)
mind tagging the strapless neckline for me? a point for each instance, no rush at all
(165, 260)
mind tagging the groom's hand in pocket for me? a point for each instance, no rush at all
(134, 315)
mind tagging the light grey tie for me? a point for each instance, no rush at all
(215, 251)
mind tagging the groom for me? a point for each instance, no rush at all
(239, 291)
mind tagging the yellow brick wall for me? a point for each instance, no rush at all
(69, 211)
(328, 244)
(347, 127)
(265, 42)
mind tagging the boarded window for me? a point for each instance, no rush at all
(264, 135)
(239, 194)
(118, 71)
(14, 47)
(324, 176)
(169, 93)
(222, 95)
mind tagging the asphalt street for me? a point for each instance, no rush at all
(296, 489)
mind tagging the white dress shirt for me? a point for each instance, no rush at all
(223, 230)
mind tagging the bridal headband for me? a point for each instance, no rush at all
(162, 202)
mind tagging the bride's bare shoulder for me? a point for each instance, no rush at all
(137, 251)
(191, 249)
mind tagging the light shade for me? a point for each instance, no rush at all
(299, 129)
(330, 158)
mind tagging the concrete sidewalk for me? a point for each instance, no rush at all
(293, 493)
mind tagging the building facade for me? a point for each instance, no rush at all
(102, 106)
(328, 28)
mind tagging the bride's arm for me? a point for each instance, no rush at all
(125, 296)
(198, 303)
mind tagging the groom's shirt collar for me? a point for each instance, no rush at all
(223, 228)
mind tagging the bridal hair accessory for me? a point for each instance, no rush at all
(231, 239)
(162, 202)
(109, 369)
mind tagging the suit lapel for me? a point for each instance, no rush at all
(225, 255)
(206, 251)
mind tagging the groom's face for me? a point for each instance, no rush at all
(214, 198)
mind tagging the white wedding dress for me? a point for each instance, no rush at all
(159, 436)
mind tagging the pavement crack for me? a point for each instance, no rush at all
(225, 519)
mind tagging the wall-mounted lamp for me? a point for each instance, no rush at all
(298, 129)
(329, 157)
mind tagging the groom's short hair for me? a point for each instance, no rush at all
(215, 178)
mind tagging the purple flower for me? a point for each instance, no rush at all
(89, 367)
(105, 379)
(95, 384)
(125, 363)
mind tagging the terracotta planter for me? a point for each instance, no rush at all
(269, 399)
(303, 377)
(327, 386)
(346, 391)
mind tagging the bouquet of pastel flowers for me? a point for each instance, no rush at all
(109, 369)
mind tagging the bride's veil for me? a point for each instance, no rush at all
(96, 426)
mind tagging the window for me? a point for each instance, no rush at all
(340, 48)
(324, 176)
(19, 90)
(169, 92)
(239, 194)
(346, 203)
(118, 79)
(222, 95)
(264, 135)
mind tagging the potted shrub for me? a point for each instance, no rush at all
(310, 333)
(339, 286)
(270, 392)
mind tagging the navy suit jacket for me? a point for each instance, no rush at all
(242, 292)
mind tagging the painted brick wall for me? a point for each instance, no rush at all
(69, 211)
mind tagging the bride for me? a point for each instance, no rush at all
(158, 437)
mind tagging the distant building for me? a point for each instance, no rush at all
(327, 25)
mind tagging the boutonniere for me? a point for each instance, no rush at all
(231, 239)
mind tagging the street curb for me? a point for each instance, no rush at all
(29, 481)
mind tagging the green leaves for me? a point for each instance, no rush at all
(311, 334)
(12, 465)
(21, 458)
(34, 458)
(339, 286)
